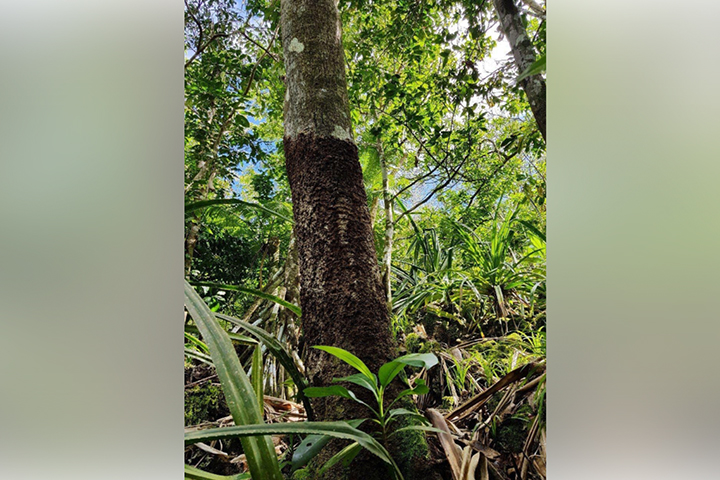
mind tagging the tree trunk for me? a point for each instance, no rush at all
(190, 242)
(524, 54)
(389, 227)
(194, 229)
(341, 292)
(292, 295)
(209, 168)
(373, 210)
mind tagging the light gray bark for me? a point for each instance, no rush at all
(389, 226)
(316, 98)
(537, 10)
(524, 55)
(207, 169)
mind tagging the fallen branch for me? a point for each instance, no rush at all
(478, 400)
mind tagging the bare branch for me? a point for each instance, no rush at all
(199, 47)
(266, 52)
(434, 191)
(536, 10)
(507, 158)
(203, 47)
(414, 182)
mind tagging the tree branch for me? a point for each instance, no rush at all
(203, 47)
(199, 47)
(434, 191)
(537, 10)
(414, 182)
(489, 177)
(266, 50)
(265, 53)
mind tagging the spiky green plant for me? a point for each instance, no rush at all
(242, 401)
(496, 271)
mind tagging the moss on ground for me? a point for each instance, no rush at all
(511, 435)
(204, 403)
(413, 342)
(303, 474)
(430, 346)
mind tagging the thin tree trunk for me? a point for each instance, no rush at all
(194, 229)
(190, 243)
(389, 227)
(208, 167)
(341, 293)
(373, 210)
(292, 295)
(524, 54)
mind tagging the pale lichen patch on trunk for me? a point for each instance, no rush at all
(296, 46)
(341, 134)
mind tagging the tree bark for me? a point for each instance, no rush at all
(341, 293)
(209, 168)
(292, 295)
(190, 243)
(389, 227)
(524, 54)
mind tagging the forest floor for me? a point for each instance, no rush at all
(494, 429)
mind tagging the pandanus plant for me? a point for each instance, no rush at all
(496, 271)
(242, 400)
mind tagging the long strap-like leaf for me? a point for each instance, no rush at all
(191, 207)
(258, 293)
(238, 390)
(278, 352)
(193, 473)
(332, 429)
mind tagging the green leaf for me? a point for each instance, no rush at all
(199, 356)
(245, 340)
(533, 229)
(319, 392)
(400, 411)
(360, 379)
(191, 207)
(312, 444)
(257, 375)
(427, 360)
(197, 342)
(237, 388)
(340, 391)
(350, 359)
(279, 352)
(403, 411)
(197, 474)
(242, 120)
(333, 429)
(346, 455)
(391, 369)
(258, 293)
(538, 66)
(419, 389)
